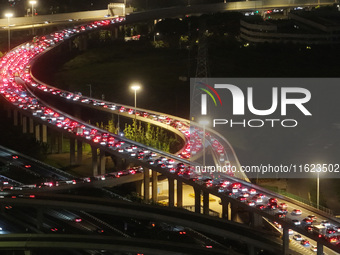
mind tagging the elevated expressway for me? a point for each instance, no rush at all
(177, 11)
(226, 229)
(16, 89)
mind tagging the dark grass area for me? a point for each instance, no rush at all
(110, 71)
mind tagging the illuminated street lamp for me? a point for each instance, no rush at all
(203, 123)
(32, 3)
(135, 87)
(154, 36)
(9, 15)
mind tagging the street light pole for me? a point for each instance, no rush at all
(318, 191)
(203, 145)
(32, 3)
(90, 90)
(204, 123)
(135, 87)
(9, 15)
(135, 104)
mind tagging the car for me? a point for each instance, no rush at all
(250, 203)
(273, 200)
(309, 229)
(325, 223)
(272, 206)
(221, 189)
(257, 199)
(285, 211)
(307, 221)
(312, 217)
(280, 215)
(244, 189)
(252, 191)
(224, 183)
(283, 206)
(330, 231)
(305, 242)
(245, 194)
(290, 232)
(236, 185)
(314, 248)
(208, 183)
(261, 207)
(278, 225)
(78, 220)
(242, 199)
(296, 222)
(262, 195)
(333, 239)
(297, 237)
(296, 212)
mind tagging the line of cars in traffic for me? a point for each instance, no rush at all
(320, 228)
(21, 67)
(192, 146)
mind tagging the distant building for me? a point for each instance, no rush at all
(302, 27)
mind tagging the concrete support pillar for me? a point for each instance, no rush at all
(9, 112)
(40, 218)
(139, 187)
(44, 133)
(70, 45)
(37, 132)
(20, 118)
(102, 161)
(256, 220)
(233, 212)
(154, 186)
(206, 203)
(24, 124)
(79, 152)
(60, 143)
(225, 209)
(251, 249)
(319, 249)
(171, 190)
(94, 161)
(146, 184)
(72, 151)
(15, 117)
(31, 126)
(197, 200)
(179, 193)
(116, 33)
(285, 241)
(53, 141)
